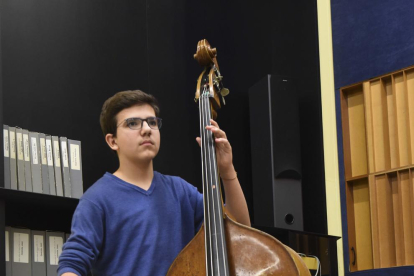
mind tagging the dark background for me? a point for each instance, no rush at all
(62, 59)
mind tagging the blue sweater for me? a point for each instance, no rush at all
(119, 229)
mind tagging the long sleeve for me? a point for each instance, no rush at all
(83, 246)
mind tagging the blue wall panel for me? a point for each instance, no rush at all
(371, 38)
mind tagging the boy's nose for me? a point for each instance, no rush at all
(145, 127)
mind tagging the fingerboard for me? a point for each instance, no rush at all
(215, 240)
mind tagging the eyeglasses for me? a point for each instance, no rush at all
(136, 123)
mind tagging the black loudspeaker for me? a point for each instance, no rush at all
(276, 160)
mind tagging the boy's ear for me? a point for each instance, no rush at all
(111, 141)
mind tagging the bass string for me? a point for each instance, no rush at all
(209, 182)
(212, 188)
(219, 208)
(218, 217)
(206, 193)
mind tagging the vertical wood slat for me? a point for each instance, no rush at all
(397, 217)
(380, 127)
(410, 95)
(357, 138)
(407, 119)
(362, 222)
(374, 222)
(345, 134)
(402, 119)
(368, 124)
(392, 122)
(351, 225)
(405, 198)
(385, 222)
(411, 184)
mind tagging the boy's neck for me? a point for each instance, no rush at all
(140, 175)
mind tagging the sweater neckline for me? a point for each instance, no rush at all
(135, 187)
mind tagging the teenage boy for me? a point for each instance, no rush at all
(136, 220)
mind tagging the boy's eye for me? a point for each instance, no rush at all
(152, 121)
(133, 122)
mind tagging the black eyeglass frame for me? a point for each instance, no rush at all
(159, 122)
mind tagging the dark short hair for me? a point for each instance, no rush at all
(121, 101)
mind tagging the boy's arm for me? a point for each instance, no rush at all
(69, 274)
(83, 246)
(235, 200)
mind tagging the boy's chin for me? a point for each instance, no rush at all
(148, 157)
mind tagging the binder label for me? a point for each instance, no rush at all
(21, 248)
(6, 143)
(19, 146)
(55, 249)
(43, 154)
(39, 249)
(34, 151)
(49, 152)
(26, 147)
(12, 145)
(74, 157)
(7, 247)
(65, 154)
(57, 153)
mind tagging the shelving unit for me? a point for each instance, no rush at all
(378, 142)
(28, 209)
(34, 211)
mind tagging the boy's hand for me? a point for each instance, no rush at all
(223, 151)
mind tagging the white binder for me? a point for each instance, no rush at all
(21, 261)
(38, 253)
(58, 165)
(13, 158)
(35, 162)
(27, 165)
(21, 180)
(54, 244)
(75, 160)
(67, 187)
(6, 153)
(43, 161)
(50, 165)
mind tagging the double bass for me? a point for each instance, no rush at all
(223, 247)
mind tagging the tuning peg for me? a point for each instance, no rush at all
(224, 92)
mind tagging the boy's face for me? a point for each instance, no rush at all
(140, 145)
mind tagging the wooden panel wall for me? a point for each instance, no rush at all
(378, 130)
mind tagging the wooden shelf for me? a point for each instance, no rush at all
(394, 170)
(357, 177)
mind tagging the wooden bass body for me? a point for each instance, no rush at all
(250, 252)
